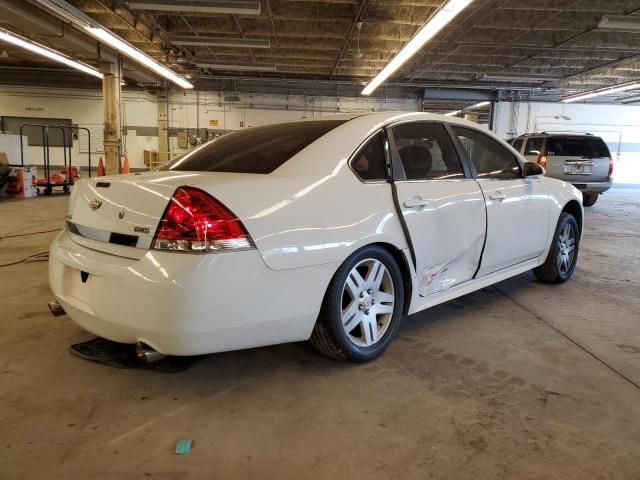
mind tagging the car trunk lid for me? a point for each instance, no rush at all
(108, 213)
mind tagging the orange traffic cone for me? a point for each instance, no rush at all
(125, 167)
(100, 168)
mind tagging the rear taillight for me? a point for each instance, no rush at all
(196, 222)
(610, 166)
(542, 161)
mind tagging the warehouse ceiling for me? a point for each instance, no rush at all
(527, 49)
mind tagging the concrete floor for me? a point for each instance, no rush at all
(519, 381)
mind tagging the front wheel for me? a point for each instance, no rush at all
(589, 199)
(563, 253)
(362, 308)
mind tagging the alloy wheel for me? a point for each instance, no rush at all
(566, 248)
(368, 301)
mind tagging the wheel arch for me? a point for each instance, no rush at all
(574, 208)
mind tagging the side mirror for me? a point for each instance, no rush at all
(532, 170)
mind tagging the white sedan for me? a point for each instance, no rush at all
(329, 230)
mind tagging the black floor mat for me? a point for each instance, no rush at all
(123, 355)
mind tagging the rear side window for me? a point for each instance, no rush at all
(370, 162)
(517, 144)
(427, 152)
(534, 146)
(589, 147)
(254, 150)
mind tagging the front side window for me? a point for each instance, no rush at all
(253, 150)
(370, 162)
(427, 152)
(490, 158)
(534, 146)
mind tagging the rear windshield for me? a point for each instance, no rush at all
(254, 150)
(590, 147)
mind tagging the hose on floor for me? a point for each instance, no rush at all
(38, 257)
(29, 233)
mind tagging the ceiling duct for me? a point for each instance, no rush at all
(228, 42)
(236, 7)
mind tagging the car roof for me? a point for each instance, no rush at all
(379, 118)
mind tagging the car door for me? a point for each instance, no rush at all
(518, 209)
(442, 206)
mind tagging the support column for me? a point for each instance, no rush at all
(163, 127)
(112, 102)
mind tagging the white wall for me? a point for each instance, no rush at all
(618, 125)
(189, 109)
(83, 107)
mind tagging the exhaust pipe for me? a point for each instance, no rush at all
(56, 308)
(146, 354)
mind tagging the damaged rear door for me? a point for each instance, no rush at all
(442, 206)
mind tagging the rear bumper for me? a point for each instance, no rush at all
(592, 187)
(186, 304)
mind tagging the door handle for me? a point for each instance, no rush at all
(497, 195)
(416, 202)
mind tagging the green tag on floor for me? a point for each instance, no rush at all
(183, 446)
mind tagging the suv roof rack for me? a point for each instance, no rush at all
(565, 132)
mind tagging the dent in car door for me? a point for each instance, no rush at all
(443, 210)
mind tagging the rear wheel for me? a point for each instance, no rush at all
(362, 308)
(589, 199)
(563, 254)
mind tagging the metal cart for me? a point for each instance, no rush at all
(68, 179)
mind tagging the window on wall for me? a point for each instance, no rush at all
(370, 162)
(490, 159)
(35, 135)
(426, 152)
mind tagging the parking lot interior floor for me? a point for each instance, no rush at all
(519, 381)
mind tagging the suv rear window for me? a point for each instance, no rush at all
(590, 147)
(254, 150)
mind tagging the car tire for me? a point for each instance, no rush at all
(563, 253)
(589, 199)
(362, 308)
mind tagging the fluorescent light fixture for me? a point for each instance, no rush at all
(602, 91)
(447, 13)
(132, 52)
(19, 41)
(238, 68)
(202, 41)
(620, 22)
(236, 7)
(467, 109)
(520, 77)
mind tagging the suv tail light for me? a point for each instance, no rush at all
(196, 222)
(610, 166)
(542, 161)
